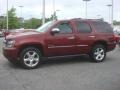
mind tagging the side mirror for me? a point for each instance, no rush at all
(55, 30)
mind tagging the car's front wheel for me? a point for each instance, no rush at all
(30, 57)
(98, 53)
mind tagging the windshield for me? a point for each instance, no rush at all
(44, 27)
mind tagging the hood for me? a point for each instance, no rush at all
(21, 34)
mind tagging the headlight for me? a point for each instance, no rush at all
(9, 43)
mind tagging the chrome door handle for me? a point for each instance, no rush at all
(92, 36)
(71, 37)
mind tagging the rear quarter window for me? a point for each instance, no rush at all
(103, 27)
(83, 27)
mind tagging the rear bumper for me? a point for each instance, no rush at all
(111, 47)
(11, 54)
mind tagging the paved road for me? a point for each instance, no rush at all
(64, 74)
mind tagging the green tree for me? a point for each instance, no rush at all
(53, 16)
(32, 23)
(13, 20)
(2, 22)
(116, 22)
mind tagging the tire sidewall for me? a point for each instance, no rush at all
(24, 51)
(93, 56)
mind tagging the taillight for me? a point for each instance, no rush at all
(115, 38)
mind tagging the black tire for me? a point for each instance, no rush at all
(100, 56)
(22, 57)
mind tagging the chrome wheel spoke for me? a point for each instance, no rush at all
(34, 54)
(101, 51)
(99, 54)
(27, 59)
(31, 63)
(31, 58)
(96, 53)
(36, 59)
(28, 54)
(102, 56)
(97, 57)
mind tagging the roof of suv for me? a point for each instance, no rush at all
(93, 20)
(80, 19)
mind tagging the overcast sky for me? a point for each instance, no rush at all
(68, 8)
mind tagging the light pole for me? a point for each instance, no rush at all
(109, 6)
(98, 16)
(21, 15)
(112, 11)
(55, 14)
(21, 9)
(4, 15)
(43, 12)
(86, 2)
(7, 17)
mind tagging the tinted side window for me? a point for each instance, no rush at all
(83, 27)
(103, 27)
(64, 27)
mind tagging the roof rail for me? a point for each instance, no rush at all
(76, 19)
(87, 19)
(95, 19)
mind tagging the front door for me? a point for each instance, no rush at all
(62, 43)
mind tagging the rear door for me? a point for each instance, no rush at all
(85, 37)
(62, 43)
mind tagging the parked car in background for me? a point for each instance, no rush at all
(116, 30)
(117, 35)
(60, 38)
(1, 34)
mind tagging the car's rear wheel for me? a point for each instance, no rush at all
(98, 53)
(30, 57)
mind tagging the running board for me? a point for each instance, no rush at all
(64, 56)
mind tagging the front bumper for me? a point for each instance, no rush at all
(10, 53)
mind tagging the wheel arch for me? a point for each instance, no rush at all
(39, 46)
(101, 42)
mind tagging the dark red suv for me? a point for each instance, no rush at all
(60, 38)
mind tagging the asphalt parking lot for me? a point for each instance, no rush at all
(75, 73)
